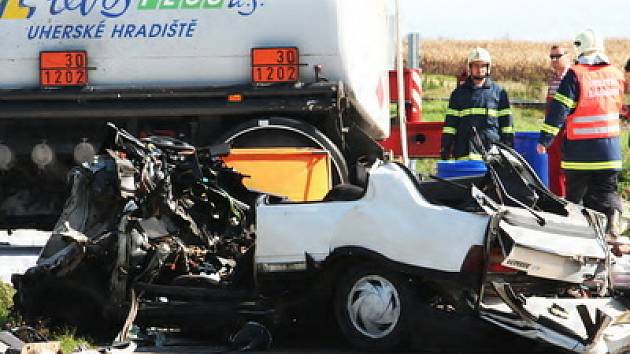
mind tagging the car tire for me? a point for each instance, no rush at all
(372, 307)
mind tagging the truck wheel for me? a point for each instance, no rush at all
(372, 307)
(285, 132)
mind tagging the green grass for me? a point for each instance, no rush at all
(525, 119)
(624, 176)
(437, 86)
(69, 340)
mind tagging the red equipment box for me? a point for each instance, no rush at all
(424, 139)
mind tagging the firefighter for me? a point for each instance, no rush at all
(588, 103)
(478, 103)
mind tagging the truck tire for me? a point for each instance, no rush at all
(285, 132)
(372, 307)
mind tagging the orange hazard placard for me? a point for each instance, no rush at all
(58, 69)
(271, 65)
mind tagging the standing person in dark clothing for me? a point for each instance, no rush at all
(588, 103)
(559, 66)
(478, 103)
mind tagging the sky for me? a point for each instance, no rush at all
(536, 20)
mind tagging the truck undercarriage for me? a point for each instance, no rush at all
(43, 133)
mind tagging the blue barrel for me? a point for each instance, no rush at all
(460, 168)
(525, 144)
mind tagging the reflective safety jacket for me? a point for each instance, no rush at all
(597, 112)
(588, 102)
(486, 108)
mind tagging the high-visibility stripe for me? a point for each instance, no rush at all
(594, 119)
(569, 103)
(471, 157)
(507, 130)
(606, 131)
(550, 129)
(481, 111)
(596, 126)
(449, 130)
(589, 166)
(473, 111)
(453, 112)
(505, 112)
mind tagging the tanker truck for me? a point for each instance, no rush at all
(267, 75)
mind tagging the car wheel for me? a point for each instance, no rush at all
(372, 307)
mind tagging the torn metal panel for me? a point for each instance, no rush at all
(143, 212)
(566, 248)
(597, 325)
(125, 174)
(563, 236)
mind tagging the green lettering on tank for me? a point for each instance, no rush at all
(147, 4)
(191, 4)
(212, 4)
(178, 4)
(169, 4)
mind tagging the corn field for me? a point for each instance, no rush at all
(520, 61)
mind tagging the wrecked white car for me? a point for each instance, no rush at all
(160, 233)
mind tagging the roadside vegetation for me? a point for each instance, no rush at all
(67, 336)
(6, 302)
(517, 61)
(69, 340)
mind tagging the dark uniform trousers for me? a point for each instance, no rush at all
(597, 190)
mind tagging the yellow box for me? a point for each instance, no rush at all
(301, 174)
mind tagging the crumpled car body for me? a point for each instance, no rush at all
(161, 234)
(395, 221)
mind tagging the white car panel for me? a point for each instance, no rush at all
(392, 219)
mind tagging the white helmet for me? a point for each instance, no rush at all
(588, 42)
(479, 54)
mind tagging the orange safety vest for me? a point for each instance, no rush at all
(601, 97)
